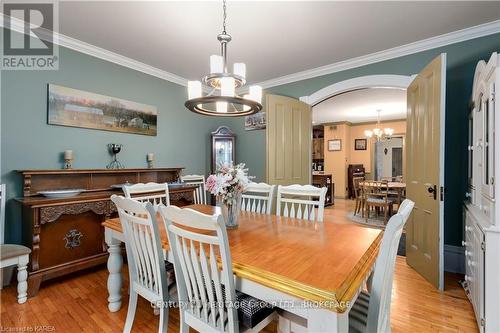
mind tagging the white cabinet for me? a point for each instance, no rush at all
(482, 228)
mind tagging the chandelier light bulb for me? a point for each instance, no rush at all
(216, 64)
(227, 86)
(388, 131)
(368, 134)
(240, 69)
(194, 89)
(377, 131)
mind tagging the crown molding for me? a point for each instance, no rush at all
(399, 51)
(98, 52)
(481, 30)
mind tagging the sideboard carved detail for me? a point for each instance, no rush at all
(52, 213)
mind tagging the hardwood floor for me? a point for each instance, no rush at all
(78, 303)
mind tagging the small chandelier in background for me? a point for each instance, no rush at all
(378, 133)
(222, 99)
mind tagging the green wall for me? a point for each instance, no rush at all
(184, 138)
(29, 143)
(461, 61)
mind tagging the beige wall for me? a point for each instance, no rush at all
(336, 163)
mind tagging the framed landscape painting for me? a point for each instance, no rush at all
(359, 144)
(78, 108)
(255, 121)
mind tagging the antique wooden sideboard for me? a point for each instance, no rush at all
(65, 234)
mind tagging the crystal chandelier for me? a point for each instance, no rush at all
(380, 135)
(222, 100)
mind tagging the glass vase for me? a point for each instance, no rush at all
(231, 213)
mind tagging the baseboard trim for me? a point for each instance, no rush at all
(454, 259)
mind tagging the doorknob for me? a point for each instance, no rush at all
(433, 191)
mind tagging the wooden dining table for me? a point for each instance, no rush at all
(314, 270)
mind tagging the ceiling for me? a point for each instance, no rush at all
(361, 106)
(273, 38)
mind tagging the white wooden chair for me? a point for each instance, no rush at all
(258, 198)
(299, 201)
(371, 311)
(154, 193)
(12, 254)
(148, 275)
(208, 292)
(200, 194)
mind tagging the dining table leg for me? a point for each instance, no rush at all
(323, 320)
(115, 263)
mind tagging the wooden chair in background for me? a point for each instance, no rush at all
(154, 193)
(299, 201)
(358, 197)
(201, 284)
(375, 194)
(258, 198)
(13, 254)
(200, 194)
(371, 312)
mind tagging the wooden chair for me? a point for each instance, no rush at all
(200, 194)
(371, 311)
(154, 193)
(198, 241)
(258, 198)
(298, 202)
(375, 195)
(12, 254)
(358, 197)
(148, 275)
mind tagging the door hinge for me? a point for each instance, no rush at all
(483, 246)
(483, 322)
(441, 193)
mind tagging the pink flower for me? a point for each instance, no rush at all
(211, 182)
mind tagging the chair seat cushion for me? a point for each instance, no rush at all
(8, 251)
(252, 310)
(358, 315)
(378, 201)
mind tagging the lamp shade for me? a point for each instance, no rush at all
(255, 93)
(216, 64)
(227, 86)
(194, 89)
(240, 69)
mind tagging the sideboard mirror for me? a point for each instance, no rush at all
(223, 146)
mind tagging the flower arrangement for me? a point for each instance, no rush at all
(228, 182)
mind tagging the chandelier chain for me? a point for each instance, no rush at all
(224, 16)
